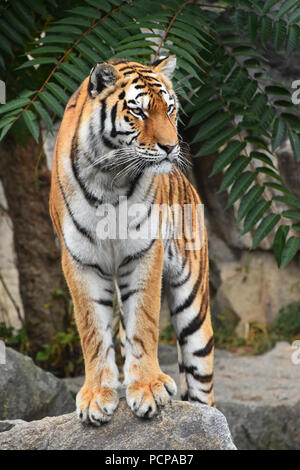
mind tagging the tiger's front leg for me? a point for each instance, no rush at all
(140, 285)
(92, 298)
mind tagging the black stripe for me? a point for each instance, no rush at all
(92, 200)
(206, 350)
(192, 398)
(123, 286)
(207, 391)
(109, 143)
(103, 114)
(100, 272)
(192, 327)
(143, 93)
(128, 67)
(132, 186)
(137, 255)
(190, 299)
(123, 133)
(147, 215)
(134, 137)
(86, 233)
(110, 291)
(113, 114)
(185, 397)
(126, 274)
(129, 294)
(184, 280)
(192, 370)
(106, 303)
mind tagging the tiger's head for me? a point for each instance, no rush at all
(133, 112)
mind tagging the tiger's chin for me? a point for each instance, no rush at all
(161, 168)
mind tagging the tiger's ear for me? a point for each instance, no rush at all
(165, 65)
(101, 76)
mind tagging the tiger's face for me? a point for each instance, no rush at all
(133, 110)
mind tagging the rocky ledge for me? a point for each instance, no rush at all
(178, 426)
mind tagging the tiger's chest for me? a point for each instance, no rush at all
(108, 233)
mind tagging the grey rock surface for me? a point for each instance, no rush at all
(260, 397)
(27, 392)
(7, 424)
(179, 426)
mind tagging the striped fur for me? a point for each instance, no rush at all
(118, 144)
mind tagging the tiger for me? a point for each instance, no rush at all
(118, 147)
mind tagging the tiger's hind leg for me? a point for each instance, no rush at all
(98, 398)
(188, 295)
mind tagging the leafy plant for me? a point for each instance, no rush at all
(63, 355)
(229, 102)
(287, 325)
(15, 339)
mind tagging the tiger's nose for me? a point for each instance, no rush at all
(167, 148)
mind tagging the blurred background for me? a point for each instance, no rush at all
(46, 49)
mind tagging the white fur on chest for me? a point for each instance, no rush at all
(114, 228)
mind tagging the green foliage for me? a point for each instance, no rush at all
(168, 335)
(227, 97)
(287, 324)
(258, 338)
(62, 356)
(15, 339)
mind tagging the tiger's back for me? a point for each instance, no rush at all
(127, 217)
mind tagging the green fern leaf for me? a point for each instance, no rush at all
(289, 251)
(279, 133)
(269, 4)
(239, 187)
(254, 215)
(44, 114)
(249, 200)
(233, 171)
(295, 143)
(32, 124)
(264, 228)
(232, 151)
(52, 103)
(211, 127)
(285, 7)
(279, 242)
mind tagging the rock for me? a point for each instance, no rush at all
(7, 424)
(11, 306)
(259, 395)
(179, 426)
(28, 392)
(166, 354)
(255, 280)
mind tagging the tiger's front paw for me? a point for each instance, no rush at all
(96, 406)
(145, 398)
